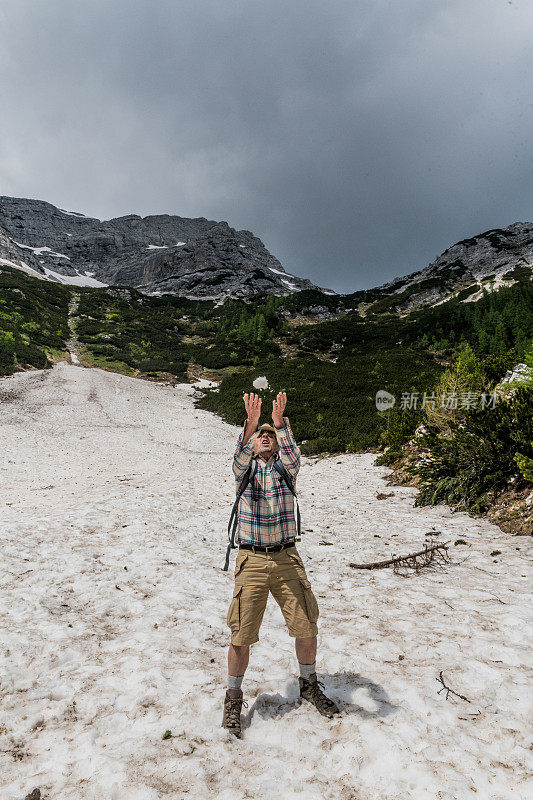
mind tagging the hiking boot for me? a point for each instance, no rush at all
(310, 690)
(233, 703)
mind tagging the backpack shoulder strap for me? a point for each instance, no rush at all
(284, 475)
(232, 525)
(280, 469)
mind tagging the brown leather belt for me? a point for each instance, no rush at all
(274, 549)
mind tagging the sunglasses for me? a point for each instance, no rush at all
(267, 433)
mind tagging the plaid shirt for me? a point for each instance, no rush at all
(266, 509)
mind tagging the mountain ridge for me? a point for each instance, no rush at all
(487, 258)
(194, 257)
(198, 258)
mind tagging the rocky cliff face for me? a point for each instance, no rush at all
(490, 260)
(12, 254)
(198, 258)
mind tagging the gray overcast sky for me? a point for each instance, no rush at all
(357, 138)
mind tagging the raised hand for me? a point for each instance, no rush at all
(252, 404)
(278, 407)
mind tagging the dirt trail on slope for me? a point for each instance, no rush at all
(73, 345)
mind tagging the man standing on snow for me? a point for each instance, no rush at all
(268, 560)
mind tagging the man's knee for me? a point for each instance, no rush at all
(240, 649)
(305, 642)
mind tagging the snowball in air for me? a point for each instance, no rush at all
(261, 383)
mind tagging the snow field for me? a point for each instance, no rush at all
(115, 498)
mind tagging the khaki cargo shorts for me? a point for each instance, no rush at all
(283, 574)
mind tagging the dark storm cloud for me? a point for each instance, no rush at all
(357, 139)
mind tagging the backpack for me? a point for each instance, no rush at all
(246, 479)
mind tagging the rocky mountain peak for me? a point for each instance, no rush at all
(489, 260)
(161, 253)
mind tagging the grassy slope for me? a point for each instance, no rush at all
(33, 321)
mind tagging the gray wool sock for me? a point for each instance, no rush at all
(306, 670)
(235, 681)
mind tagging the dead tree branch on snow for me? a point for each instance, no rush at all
(435, 553)
(447, 689)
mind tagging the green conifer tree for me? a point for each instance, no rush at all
(525, 465)
(262, 329)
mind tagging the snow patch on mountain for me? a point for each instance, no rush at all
(23, 268)
(42, 250)
(489, 286)
(74, 214)
(73, 280)
(289, 284)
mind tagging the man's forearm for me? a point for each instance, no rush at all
(250, 428)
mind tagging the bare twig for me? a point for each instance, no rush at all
(430, 554)
(493, 597)
(447, 689)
